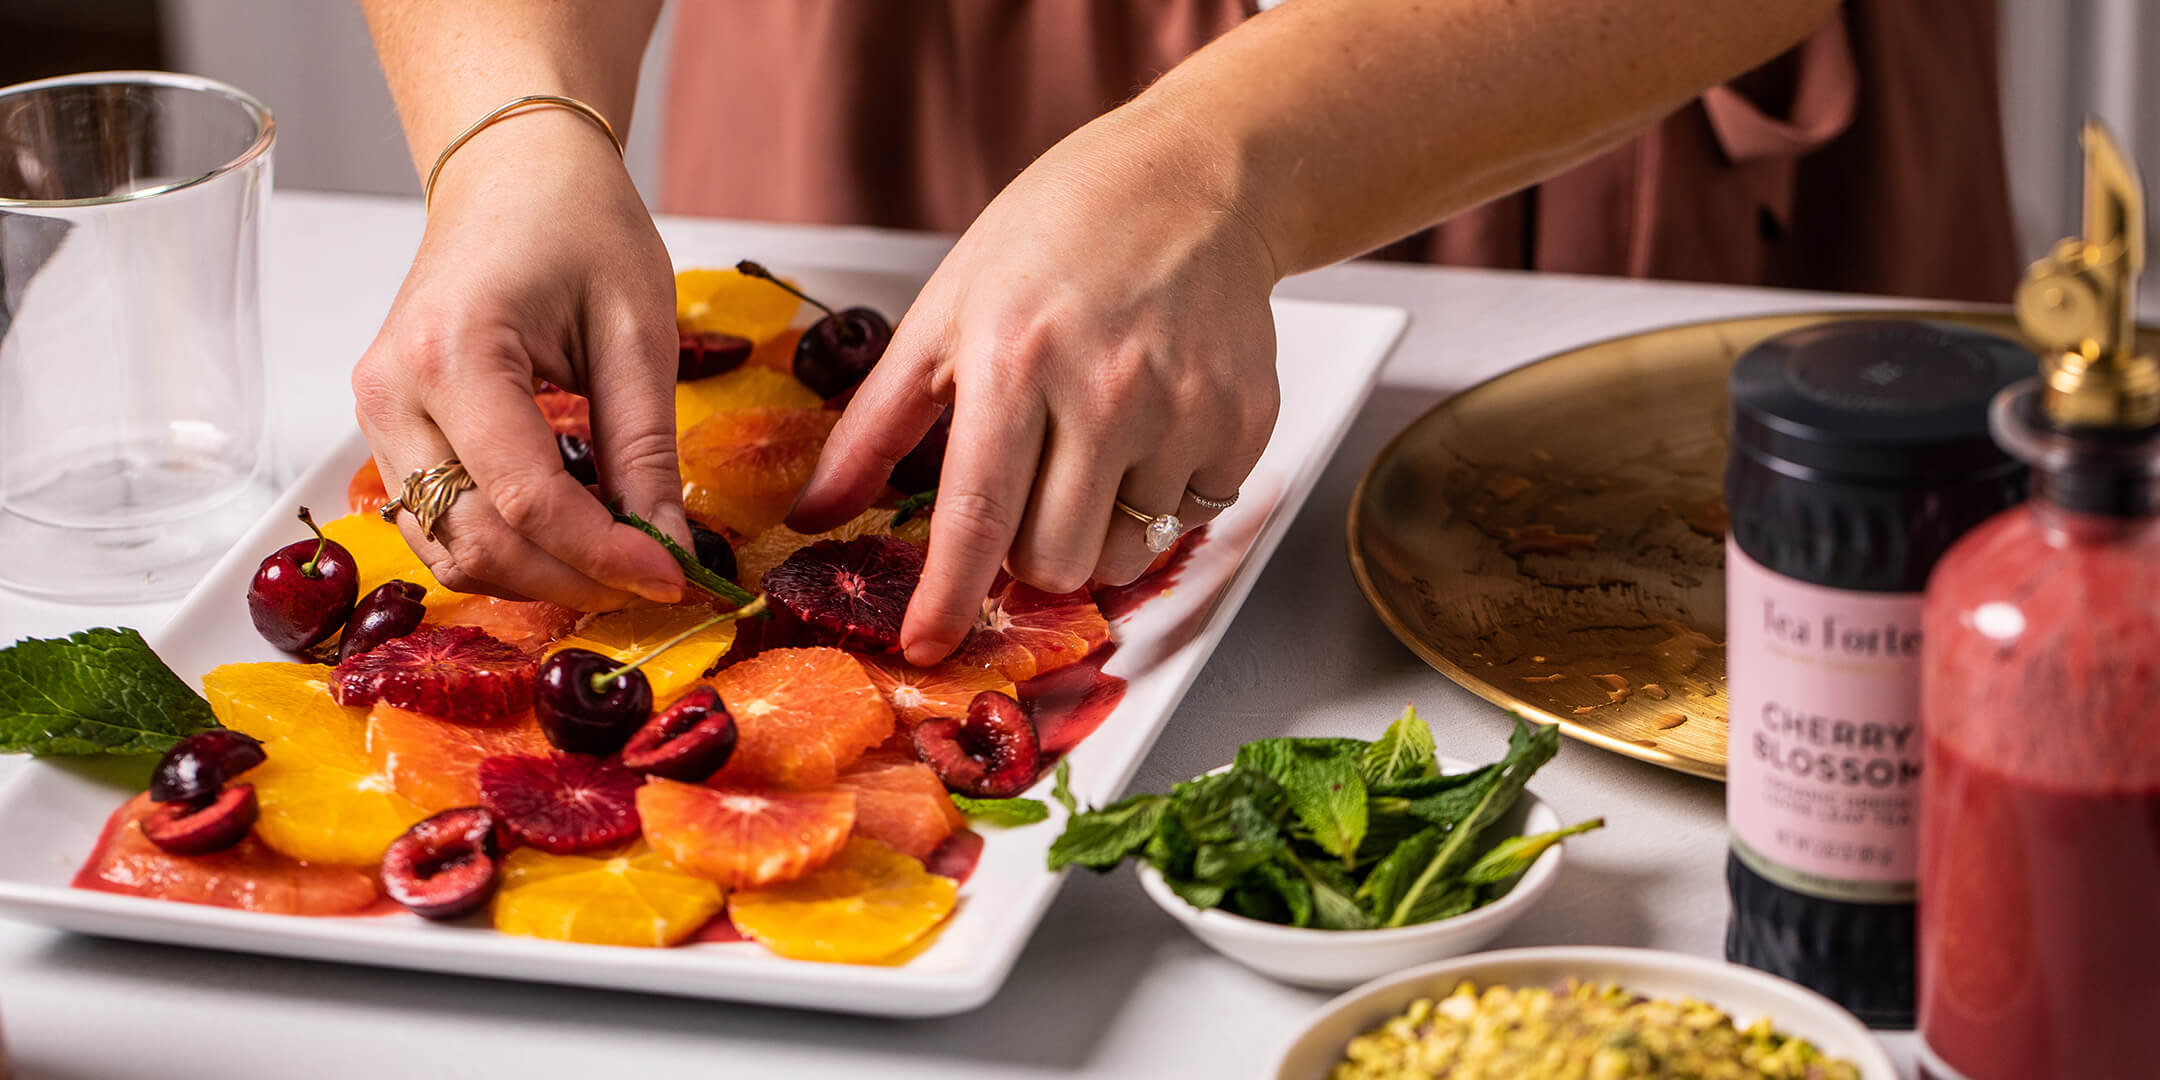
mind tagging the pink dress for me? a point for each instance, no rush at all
(1868, 158)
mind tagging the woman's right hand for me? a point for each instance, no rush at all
(540, 261)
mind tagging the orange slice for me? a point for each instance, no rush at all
(731, 302)
(633, 632)
(777, 353)
(867, 904)
(801, 715)
(1024, 631)
(435, 763)
(380, 553)
(743, 388)
(629, 897)
(919, 694)
(742, 469)
(742, 836)
(901, 802)
(530, 626)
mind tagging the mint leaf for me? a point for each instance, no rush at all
(913, 505)
(1333, 906)
(1403, 752)
(1435, 904)
(1320, 778)
(693, 571)
(100, 691)
(1442, 800)
(1101, 839)
(1062, 789)
(1007, 812)
(1273, 894)
(1529, 748)
(1514, 855)
(1390, 878)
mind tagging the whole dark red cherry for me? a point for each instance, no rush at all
(713, 551)
(836, 354)
(588, 704)
(197, 766)
(577, 458)
(389, 610)
(304, 591)
(918, 470)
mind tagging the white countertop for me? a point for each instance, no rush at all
(1110, 986)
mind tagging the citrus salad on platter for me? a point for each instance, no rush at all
(756, 762)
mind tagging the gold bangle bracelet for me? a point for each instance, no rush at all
(507, 108)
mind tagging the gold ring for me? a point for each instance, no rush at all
(427, 495)
(1163, 530)
(1217, 505)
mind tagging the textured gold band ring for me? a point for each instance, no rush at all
(427, 495)
(1163, 530)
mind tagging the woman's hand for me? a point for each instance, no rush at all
(539, 262)
(1102, 331)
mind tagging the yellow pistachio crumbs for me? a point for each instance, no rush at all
(1582, 1031)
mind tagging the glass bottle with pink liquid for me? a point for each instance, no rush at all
(2039, 911)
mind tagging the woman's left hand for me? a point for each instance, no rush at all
(1101, 331)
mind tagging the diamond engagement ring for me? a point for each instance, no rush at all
(1217, 505)
(1163, 530)
(428, 493)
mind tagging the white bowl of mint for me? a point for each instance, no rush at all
(1327, 862)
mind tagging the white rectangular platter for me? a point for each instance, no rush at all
(51, 814)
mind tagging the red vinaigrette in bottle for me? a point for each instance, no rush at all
(2040, 842)
(1860, 450)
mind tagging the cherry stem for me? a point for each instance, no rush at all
(757, 270)
(754, 608)
(309, 568)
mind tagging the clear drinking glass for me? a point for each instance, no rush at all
(133, 442)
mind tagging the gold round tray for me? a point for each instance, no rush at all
(1553, 538)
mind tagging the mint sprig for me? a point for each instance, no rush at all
(913, 505)
(99, 691)
(693, 571)
(1007, 812)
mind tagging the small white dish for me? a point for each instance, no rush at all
(1335, 959)
(1743, 993)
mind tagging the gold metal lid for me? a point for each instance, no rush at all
(2079, 303)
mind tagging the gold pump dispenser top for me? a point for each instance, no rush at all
(2079, 303)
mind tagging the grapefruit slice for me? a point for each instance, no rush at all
(740, 836)
(629, 897)
(866, 905)
(901, 802)
(801, 715)
(248, 876)
(742, 469)
(364, 494)
(435, 763)
(529, 625)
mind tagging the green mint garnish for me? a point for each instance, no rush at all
(100, 691)
(693, 571)
(913, 505)
(1007, 812)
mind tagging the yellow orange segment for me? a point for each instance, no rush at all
(435, 763)
(919, 694)
(742, 469)
(866, 905)
(902, 803)
(778, 353)
(731, 302)
(760, 553)
(743, 388)
(632, 897)
(380, 553)
(801, 715)
(633, 632)
(284, 701)
(740, 836)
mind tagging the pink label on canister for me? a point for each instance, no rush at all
(1822, 777)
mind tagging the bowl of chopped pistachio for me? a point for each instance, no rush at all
(1583, 1011)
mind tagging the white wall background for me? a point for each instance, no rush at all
(311, 61)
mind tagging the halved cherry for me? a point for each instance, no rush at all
(992, 753)
(445, 866)
(201, 826)
(689, 740)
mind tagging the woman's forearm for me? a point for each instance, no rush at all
(449, 63)
(1335, 126)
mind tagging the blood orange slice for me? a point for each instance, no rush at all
(1024, 632)
(742, 469)
(919, 694)
(436, 763)
(753, 557)
(901, 802)
(801, 716)
(248, 876)
(866, 905)
(741, 836)
(530, 626)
